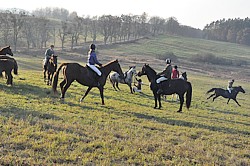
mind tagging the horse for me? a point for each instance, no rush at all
(7, 57)
(6, 50)
(50, 69)
(178, 86)
(128, 78)
(84, 76)
(224, 93)
(8, 65)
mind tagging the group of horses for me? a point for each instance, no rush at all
(85, 76)
(7, 64)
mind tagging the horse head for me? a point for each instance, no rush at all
(184, 76)
(132, 70)
(6, 50)
(240, 89)
(117, 68)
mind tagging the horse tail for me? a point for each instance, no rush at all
(15, 67)
(55, 78)
(189, 95)
(211, 90)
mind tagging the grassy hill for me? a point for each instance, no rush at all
(36, 128)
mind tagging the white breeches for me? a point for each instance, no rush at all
(93, 67)
(161, 79)
(136, 89)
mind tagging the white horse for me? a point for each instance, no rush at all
(128, 78)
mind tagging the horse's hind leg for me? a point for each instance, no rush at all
(62, 84)
(215, 97)
(181, 102)
(113, 84)
(101, 93)
(131, 90)
(211, 96)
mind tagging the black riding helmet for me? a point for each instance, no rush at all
(92, 46)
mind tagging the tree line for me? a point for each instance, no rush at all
(20, 28)
(232, 30)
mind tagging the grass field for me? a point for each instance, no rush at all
(37, 129)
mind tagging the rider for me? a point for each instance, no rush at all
(230, 86)
(137, 87)
(48, 53)
(175, 72)
(165, 75)
(92, 60)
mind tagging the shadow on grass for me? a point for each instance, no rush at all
(190, 124)
(19, 113)
(26, 90)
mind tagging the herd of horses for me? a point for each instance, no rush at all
(86, 77)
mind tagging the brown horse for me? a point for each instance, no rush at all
(50, 69)
(7, 65)
(6, 50)
(178, 86)
(84, 76)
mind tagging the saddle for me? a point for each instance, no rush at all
(91, 73)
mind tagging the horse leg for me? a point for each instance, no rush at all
(131, 90)
(155, 97)
(44, 74)
(181, 102)
(215, 97)
(113, 84)
(101, 94)
(228, 100)
(62, 84)
(117, 85)
(65, 88)
(211, 96)
(48, 81)
(237, 102)
(159, 99)
(86, 93)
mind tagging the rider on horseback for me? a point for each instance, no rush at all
(92, 60)
(165, 75)
(48, 53)
(230, 86)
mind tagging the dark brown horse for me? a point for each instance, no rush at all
(84, 76)
(7, 65)
(224, 93)
(6, 50)
(50, 69)
(178, 86)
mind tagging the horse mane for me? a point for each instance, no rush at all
(116, 60)
(147, 65)
(4, 48)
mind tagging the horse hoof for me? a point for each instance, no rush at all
(179, 111)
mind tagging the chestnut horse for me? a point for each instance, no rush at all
(7, 65)
(84, 76)
(50, 69)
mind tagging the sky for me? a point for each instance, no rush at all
(194, 13)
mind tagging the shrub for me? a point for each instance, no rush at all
(166, 55)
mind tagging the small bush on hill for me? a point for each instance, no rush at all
(166, 55)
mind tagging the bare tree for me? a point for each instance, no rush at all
(5, 26)
(93, 28)
(63, 32)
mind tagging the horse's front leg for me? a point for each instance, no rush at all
(44, 75)
(237, 102)
(228, 100)
(131, 90)
(116, 84)
(101, 93)
(48, 81)
(155, 97)
(86, 93)
(159, 99)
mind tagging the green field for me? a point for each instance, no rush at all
(38, 129)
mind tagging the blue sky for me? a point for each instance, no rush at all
(195, 13)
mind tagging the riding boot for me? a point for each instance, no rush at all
(98, 80)
(160, 88)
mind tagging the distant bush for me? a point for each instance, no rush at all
(210, 58)
(166, 55)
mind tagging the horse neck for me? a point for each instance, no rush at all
(151, 74)
(107, 69)
(2, 52)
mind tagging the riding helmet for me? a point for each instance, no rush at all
(92, 46)
(168, 61)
